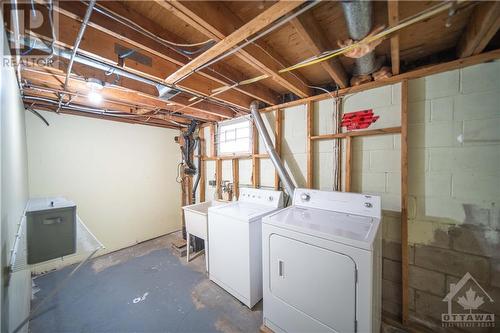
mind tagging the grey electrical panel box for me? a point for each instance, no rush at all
(51, 229)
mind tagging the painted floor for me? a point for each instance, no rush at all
(144, 288)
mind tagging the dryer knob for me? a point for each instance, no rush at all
(271, 198)
(368, 205)
(305, 197)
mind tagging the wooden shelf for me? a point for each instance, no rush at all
(380, 131)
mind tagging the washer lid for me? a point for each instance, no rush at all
(350, 229)
(244, 211)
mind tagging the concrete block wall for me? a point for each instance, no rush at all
(454, 187)
(454, 181)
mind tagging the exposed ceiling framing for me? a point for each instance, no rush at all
(153, 35)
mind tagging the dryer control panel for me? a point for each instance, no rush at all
(261, 197)
(345, 202)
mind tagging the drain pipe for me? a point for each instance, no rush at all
(278, 164)
(198, 167)
(358, 16)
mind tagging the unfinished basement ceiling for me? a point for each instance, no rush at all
(137, 30)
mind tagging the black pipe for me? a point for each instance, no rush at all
(198, 175)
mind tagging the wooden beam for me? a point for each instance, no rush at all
(255, 25)
(388, 130)
(415, 74)
(255, 158)
(393, 18)
(404, 202)
(236, 177)
(278, 124)
(100, 45)
(348, 164)
(310, 145)
(127, 34)
(216, 21)
(316, 41)
(482, 27)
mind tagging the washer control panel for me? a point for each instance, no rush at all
(354, 203)
(262, 197)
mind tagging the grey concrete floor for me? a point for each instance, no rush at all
(144, 288)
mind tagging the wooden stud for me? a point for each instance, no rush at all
(415, 74)
(278, 124)
(404, 201)
(310, 145)
(218, 179)
(393, 17)
(253, 26)
(255, 158)
(482, 27)
(388, 130)
(348, 163)
(236, 177)
(213, 144)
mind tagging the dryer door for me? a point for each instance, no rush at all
(318, 282)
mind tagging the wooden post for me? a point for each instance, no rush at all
(348, 163)
(236, 177)
(279, 136)
(393, 17)
(310, 144)
(404, 201)
(255, 158)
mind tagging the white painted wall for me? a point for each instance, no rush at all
(446, 175)
(15, 290)
(121, 176)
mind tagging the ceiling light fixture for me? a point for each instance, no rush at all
(95, 86)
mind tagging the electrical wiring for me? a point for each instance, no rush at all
(434, 10)
(425, 14)
(138, 28)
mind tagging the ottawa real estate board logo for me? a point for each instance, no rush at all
(470, 296)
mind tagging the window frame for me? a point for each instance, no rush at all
(229, 122)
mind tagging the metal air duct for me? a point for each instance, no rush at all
(280, 168)
(358, 16)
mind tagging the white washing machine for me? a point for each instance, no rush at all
(235, 243)
(322, 264)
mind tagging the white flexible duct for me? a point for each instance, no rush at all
(268, 143)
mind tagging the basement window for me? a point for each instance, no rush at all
(235, 137)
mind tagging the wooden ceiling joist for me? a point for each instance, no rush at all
(129, 35)
(482, 26)
(130, 91)
(255, 25)
(98, 44)
(316, 41)
(393, 18)
(216, 21)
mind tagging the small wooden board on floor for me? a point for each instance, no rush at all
(265, 329)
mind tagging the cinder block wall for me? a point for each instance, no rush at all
(454, 173)
(454, 181)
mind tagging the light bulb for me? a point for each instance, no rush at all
(94, 97)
